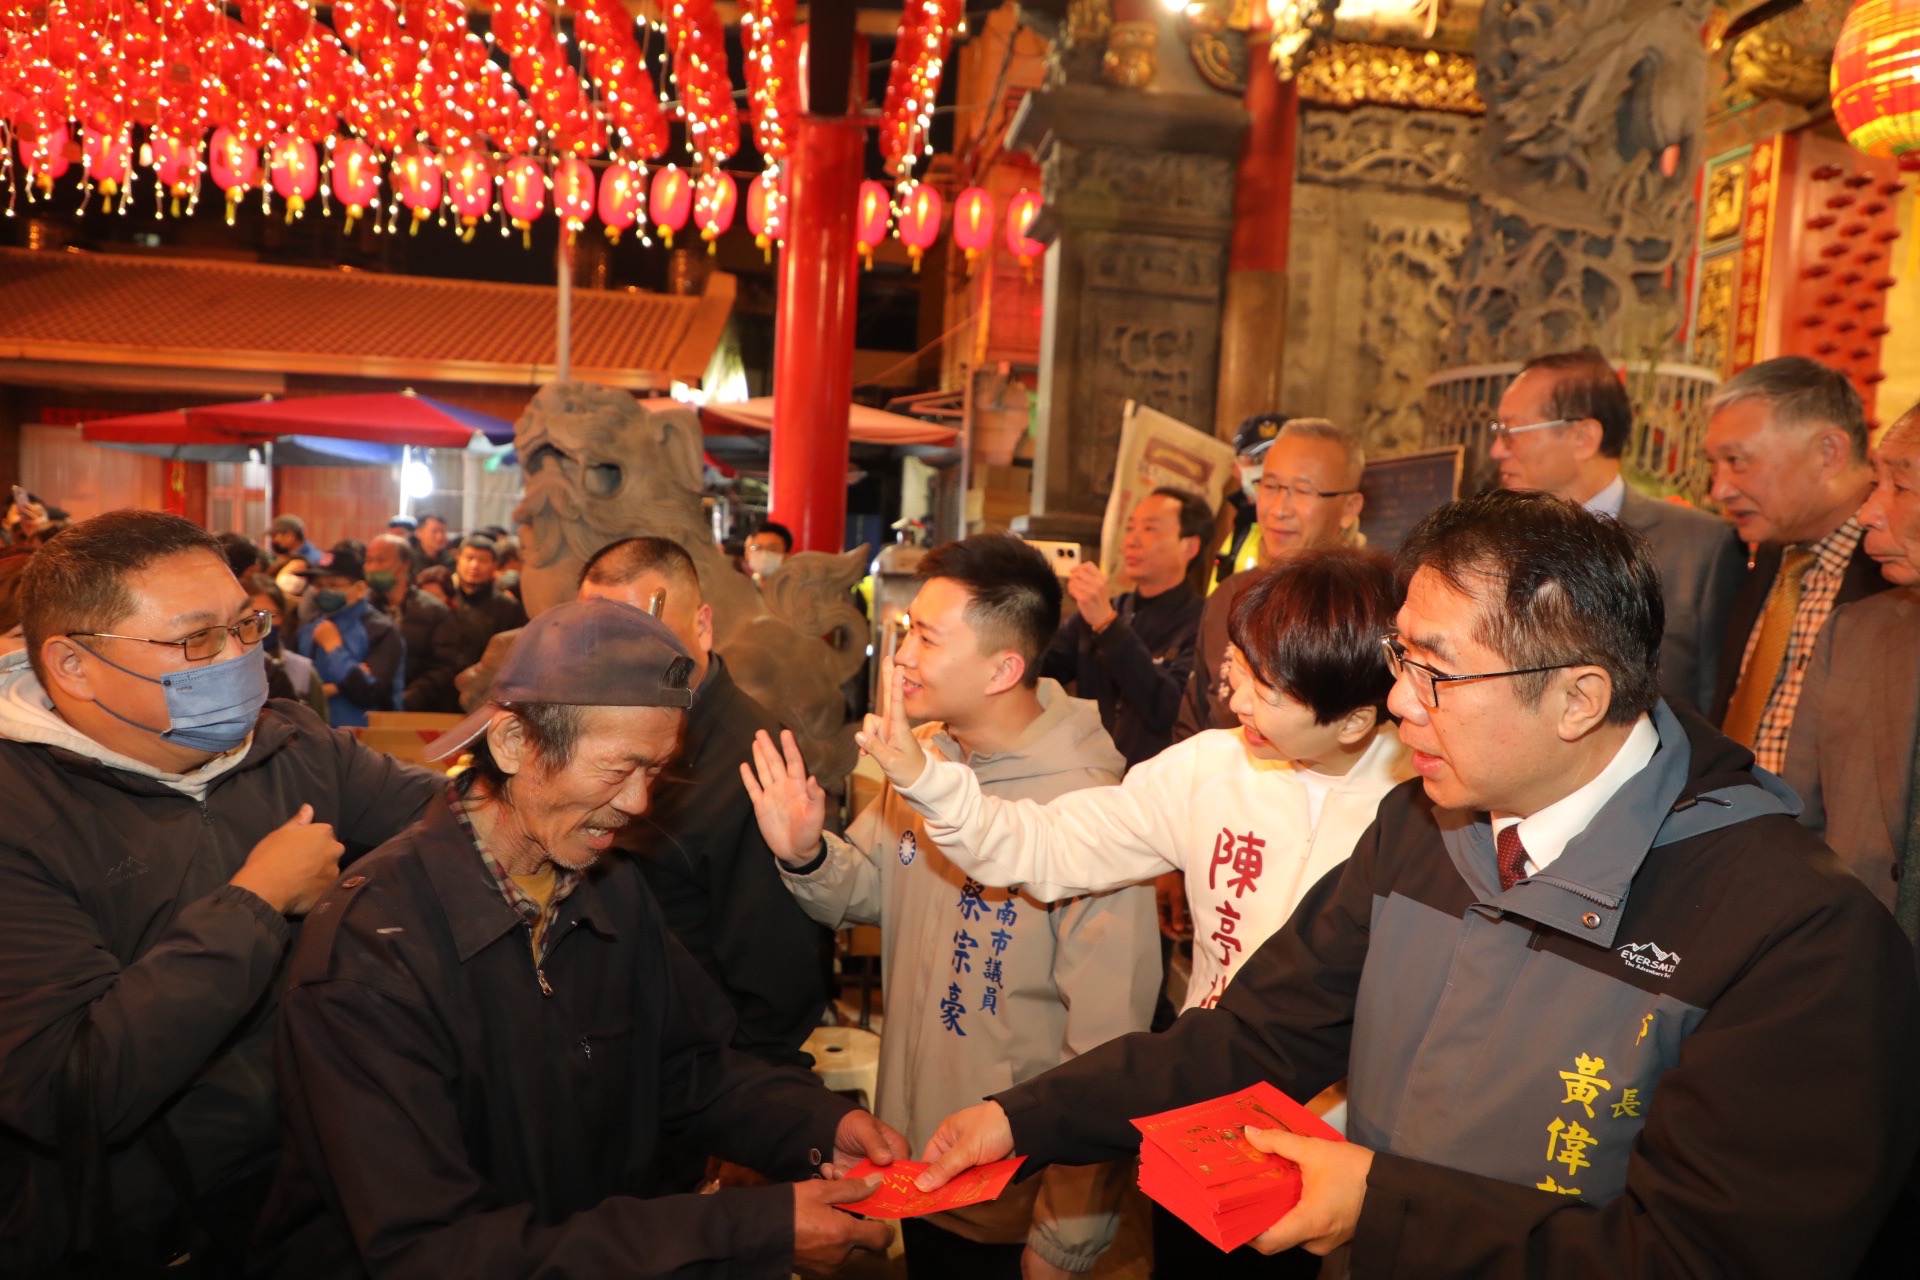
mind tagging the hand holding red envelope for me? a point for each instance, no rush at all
(899, 1198)
(1196, 1161)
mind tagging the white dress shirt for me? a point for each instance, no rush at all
(1546, 834)
(1609, 500)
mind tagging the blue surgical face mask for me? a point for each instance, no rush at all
(211, 708)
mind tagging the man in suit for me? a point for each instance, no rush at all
(1851, 757)
(1787, 440)
(1564, 423)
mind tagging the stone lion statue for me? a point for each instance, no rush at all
(599, 467)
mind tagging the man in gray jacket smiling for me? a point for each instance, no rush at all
(1605, 1009)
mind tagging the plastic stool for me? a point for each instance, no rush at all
(847, 1060)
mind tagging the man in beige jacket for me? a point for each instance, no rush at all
(983, 988)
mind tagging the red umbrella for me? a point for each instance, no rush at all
(397, 418)
(169, 427)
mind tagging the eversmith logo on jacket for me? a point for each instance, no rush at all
(1647, 957)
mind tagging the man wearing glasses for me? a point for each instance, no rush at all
(164, 826)
(1564, 424)
(1603, 1007)
(1308, 497)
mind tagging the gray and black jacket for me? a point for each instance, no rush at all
(1687, 1047)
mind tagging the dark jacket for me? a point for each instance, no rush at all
(431, 657)
(475, 620)
(367, 669)
(1860, 580)
(446, 1117)
(1694, 945)
(1137, 669)
(1202, 707)
(1702, 563)
(115, 912)
(718, 884)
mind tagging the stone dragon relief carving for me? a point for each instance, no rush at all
(1584, 180)
(599, 466)
(1422, 151)
(1411, 282)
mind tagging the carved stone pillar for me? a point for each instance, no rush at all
(1139, 195)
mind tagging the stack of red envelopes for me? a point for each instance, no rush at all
(1197, 1163)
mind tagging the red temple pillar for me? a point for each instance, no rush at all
(813, 332)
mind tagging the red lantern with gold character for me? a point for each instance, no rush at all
(235, 166)
(109, 159)
(715, 198)
(45, 155)
(523, 194)
(671, 200)
(1021, 211)
(356, 178)
(293, 166)
(622, 198)
(417, 183)
(1876, 79)
(973, 222)
(573, 193)
(870, 219)
(919, 221)
(766, 212)
(469, 189)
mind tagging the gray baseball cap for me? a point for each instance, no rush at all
(587, 653)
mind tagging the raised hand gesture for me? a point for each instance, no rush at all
(787, 801)
(887, 738)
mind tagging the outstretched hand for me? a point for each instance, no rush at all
(886, 736)
(979, 1135)
(787, 801)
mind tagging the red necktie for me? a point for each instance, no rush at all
(1512, 857)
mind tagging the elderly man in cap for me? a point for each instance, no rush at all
(488, 1029)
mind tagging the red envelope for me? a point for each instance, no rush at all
(897, 1197)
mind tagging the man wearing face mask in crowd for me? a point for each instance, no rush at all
(430, 666)
(164, 823)
(293, 553)
(355, 649)
(768, 549)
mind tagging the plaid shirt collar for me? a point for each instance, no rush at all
(539, 921)
(1832, 553)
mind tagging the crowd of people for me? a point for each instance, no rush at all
(1569, 861)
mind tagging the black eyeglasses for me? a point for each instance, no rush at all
(208, 642)
(1426, 680)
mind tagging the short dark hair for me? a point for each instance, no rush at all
(552, 730)
(259, 584)
(437, 575)
(1196, 514)
(428, 515)
(779, 531)
(1586, 386)
(78, 582)
(480, 542)
(622, 562)
(1311, 627)
(1567, 586)
(242, 556)
(1015, 597)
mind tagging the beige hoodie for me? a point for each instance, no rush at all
(986, 988)
(27, 715)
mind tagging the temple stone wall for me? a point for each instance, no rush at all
(1380, 220)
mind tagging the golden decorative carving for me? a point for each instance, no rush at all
(1345, 73)
(1296, 23)
(1129, 61)
(1713, 323)
(1769, 66)
(1088, 22)
(1726, 200)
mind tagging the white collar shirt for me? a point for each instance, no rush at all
(1546, 834)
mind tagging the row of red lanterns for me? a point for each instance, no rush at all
(424, 182)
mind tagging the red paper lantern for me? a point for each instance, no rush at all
(622, 199)
(671, 200)
(176, 164)
(356, 178)
(417, 182)
(1876, 78)
(293, 166)
(573, 193)
(973, 222)
(523, 194)
(469, 189)
(45, 155)
(235, 166)
(715, 198)
(766, 212)
(919, 221)
(1021, 211)
(109, 159)
(870, 219)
